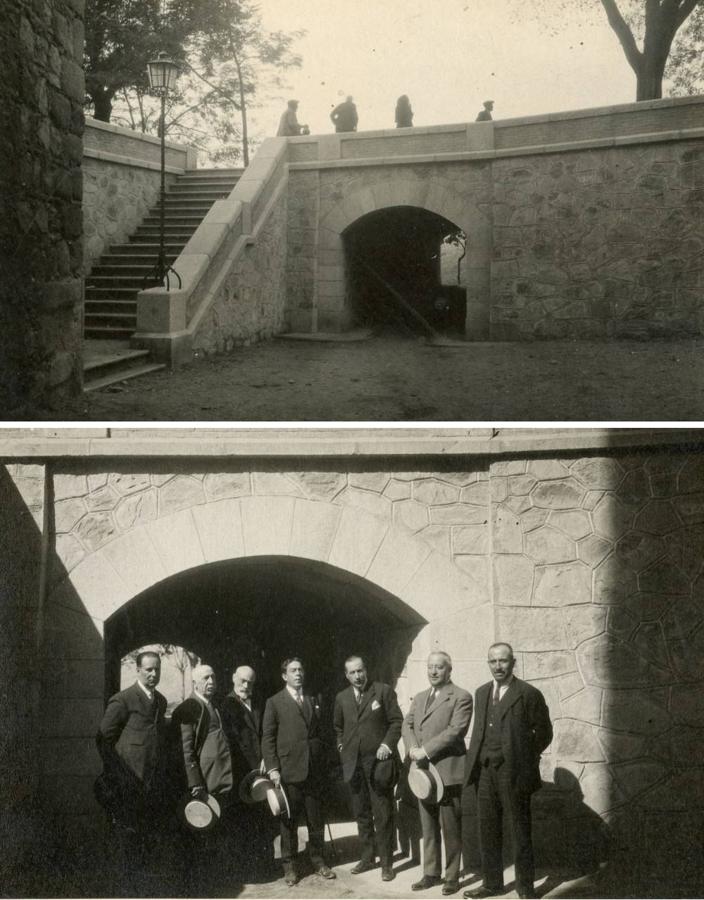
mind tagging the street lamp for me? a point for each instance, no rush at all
(163, 73)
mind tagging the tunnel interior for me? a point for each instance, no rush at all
(393, 265)
(261, 610)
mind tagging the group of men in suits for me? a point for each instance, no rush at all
(219, 747)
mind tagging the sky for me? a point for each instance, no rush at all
(448, 56)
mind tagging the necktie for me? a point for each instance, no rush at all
(431, 698)
(358, 697)
(496, 697)
(299, 698)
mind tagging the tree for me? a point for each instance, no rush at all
(654, 23)
(661, 22)
(684, 67)
(120, 37)
(181, 659)
(227, 59)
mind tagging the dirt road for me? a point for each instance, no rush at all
(391, 378)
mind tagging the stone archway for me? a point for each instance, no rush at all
(367, 547)
(400, 188)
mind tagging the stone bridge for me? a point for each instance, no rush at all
(586, 224)
(581, 547)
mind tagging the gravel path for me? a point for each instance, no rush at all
(390, 378)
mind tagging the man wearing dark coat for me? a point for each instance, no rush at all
(433, 732)
(205, 757)
(344, 116)
(503, 763)
(205, 768)
(131, 742)
(367, 722)
(294, 755)
(242, 720)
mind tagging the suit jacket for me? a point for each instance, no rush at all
(440, 729)
(131, 735)
(361, 729)
(291, 739)
(190, 723)
(243, 729)
(525, 732)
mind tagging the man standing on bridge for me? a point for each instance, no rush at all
(344, 116)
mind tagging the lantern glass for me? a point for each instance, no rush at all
(162, 72)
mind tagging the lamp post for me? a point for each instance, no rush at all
(163, 73)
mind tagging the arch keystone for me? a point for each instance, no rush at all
(219, 527)
(314, 527)
(266, 525)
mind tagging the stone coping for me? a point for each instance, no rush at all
(130, 161)
(563, 115)
(135, 135)
(528, 150)
(28, 443)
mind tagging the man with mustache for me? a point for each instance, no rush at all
(503, 763)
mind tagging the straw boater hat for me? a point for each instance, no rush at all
(255, 788)
(425, 783)
(201, 815)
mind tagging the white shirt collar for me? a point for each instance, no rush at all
(503, 687)
(294, 692)
(201, 697)
(150, 696)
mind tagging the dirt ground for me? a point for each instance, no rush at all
(393, 378)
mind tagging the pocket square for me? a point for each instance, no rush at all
(376, 704)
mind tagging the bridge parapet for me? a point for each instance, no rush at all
(670, 119)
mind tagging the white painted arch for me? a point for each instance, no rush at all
(456, 608)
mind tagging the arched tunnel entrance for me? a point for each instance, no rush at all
(395, 272)
(260, 610)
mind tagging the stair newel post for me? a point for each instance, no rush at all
(163, 73)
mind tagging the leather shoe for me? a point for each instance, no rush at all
(362, 866)
(480, 893)
(290, 877)
(325, 872)
(528, 892)
(387, 873)
(427, 881)
(450, 887)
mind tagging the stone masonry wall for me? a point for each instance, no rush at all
(599, 243)
(249, 308)
(592, 566)
(598, 577)
(115, 200)
(41, 255)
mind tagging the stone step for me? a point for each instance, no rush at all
(150, 236)
(111, 293)
(95, 384)
(122, 260)
(101, 305)
(171, 248)
(135, 282)
(186, 206)
(204, 190)
(102, 332)
(131, 266)
(171, 223)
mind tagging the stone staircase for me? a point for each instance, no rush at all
(118, 276)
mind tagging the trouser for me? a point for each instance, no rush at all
(442, 818)
(374, 812)
(303, 797)
(496, 797)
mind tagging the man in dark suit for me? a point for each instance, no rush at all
(131, 743)
(503, 763)
(434, 731)
(242, 720)
(205, 756)
(367, 722)
(205, 768)
(294, 755)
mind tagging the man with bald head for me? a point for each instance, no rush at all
(433, 732)
(205, 749)
(242, 720)
(503, 763)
